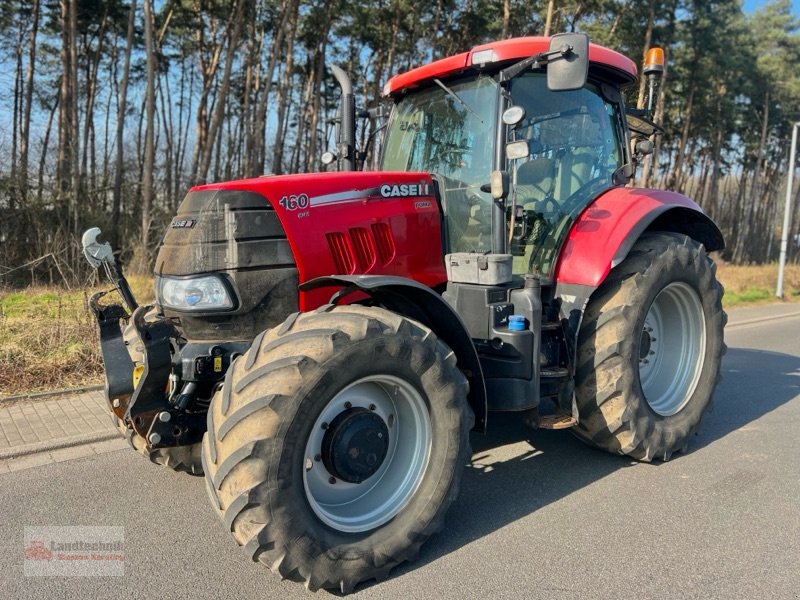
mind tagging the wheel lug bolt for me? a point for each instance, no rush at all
(652, 352)
(324, 425)
(317, 457)
(348, 405)
(372, 407)
(332, 480)
(645, 361)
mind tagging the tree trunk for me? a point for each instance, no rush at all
(716, 159)
(16, 118)
(208, 72)
(234, 33)
(92, 67)
(66, 113)
(687, 123)
(149, 149)
(284, 94)
(648, 40)
(45, 146)
(24, 142)
(549, 20)
(258, 158)
(121, 110)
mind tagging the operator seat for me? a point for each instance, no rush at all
(535, 180)
(575, 171)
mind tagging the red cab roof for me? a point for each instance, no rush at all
(502, 51)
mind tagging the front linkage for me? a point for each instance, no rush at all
(137, 393)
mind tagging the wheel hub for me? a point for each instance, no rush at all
(355, 445)
(644, 344)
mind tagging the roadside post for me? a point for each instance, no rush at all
(787, 212)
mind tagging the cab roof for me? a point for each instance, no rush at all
(608, 64)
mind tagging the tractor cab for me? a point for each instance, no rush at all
(544, 115)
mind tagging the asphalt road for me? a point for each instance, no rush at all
(540, 515)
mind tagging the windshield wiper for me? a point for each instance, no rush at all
(458, 99)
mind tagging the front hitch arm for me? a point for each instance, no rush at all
(117, 361)
(150, 412)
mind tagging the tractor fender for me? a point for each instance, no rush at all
(421, 303)
(604, 233)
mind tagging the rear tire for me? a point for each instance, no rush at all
(649, 349)
(298, 500)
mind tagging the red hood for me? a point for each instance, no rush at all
(355, 222)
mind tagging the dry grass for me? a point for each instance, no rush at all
(755, 284)
(48, 338)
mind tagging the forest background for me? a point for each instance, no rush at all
(111, 110)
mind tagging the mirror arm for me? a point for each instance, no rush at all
(539, 60)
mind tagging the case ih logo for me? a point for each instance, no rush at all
(184, 223)
(389, 190)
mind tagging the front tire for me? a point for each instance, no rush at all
(337, 444)
(649, 349)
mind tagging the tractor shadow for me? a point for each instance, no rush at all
(515, 470)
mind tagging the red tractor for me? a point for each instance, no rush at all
(322, 344)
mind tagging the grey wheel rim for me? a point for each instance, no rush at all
(356, 507)
(672, 348)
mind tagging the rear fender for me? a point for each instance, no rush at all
(604, 234)
(419, 302)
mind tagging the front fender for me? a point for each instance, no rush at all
(603, 235)
(417, 301)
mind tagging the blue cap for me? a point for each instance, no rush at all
(516, 323)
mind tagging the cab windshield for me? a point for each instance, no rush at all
(452, 138)
(574, 149)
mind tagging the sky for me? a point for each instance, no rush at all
(751, 5)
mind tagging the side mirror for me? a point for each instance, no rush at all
(518, 149)
(643, 147)
(498, 184)
(568, 66)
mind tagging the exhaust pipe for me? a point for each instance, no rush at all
(346, 138)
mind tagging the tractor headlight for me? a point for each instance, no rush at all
(196, 293)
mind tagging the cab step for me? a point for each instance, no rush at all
(554, 372)
(556, 421)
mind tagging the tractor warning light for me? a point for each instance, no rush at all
(654, 62)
